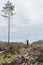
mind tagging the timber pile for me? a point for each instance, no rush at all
(33, 56)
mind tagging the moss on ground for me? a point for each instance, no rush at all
(3, 60)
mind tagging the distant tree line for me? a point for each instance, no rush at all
(38, 42)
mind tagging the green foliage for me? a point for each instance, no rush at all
(8, 8)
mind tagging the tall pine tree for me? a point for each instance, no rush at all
(8, 12)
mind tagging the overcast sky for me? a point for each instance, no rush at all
(27, 23)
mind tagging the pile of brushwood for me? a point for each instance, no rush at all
(31, 56)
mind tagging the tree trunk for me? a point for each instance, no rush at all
(8, 28)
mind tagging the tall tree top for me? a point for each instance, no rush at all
(8, 8)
